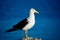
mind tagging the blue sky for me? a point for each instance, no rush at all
(47, 22)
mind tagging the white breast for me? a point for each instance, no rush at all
(30, 24)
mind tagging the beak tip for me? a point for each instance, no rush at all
(38, 12)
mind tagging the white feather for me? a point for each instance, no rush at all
(31, 20)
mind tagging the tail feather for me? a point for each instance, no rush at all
(10, 30)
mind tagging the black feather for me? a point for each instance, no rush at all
(10, 30)
(19, 26)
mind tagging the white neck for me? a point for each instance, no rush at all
(31, 16)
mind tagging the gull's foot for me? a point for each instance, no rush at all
(27, 37)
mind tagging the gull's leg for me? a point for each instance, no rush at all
(26, 33)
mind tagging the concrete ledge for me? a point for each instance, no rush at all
(31, 38)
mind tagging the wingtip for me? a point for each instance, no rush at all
(11, 30)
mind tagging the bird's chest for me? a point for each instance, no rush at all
(29, 25)
(31, 22)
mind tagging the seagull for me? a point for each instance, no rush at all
(26, 23)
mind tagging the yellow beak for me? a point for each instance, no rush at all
(37, 12)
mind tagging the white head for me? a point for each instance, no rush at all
(32, 10)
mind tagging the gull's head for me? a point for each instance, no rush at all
(32, 10)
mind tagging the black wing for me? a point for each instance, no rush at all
(21, 24)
